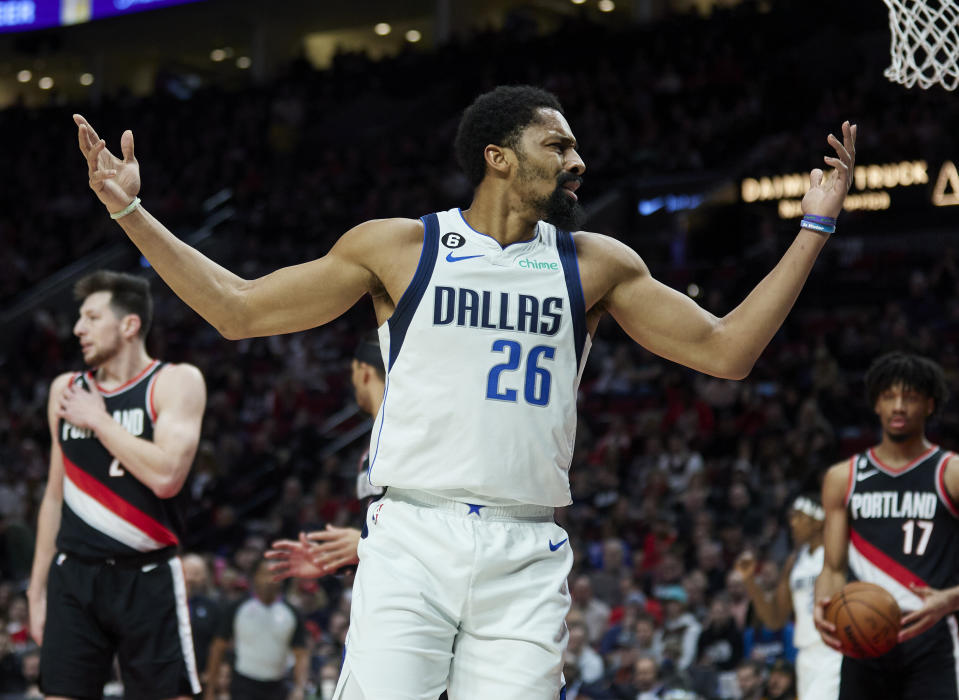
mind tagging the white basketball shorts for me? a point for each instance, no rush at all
(449, 595)
(817, 672)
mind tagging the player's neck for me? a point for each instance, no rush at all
(815, 542)
(898, 454)
(499, 218)
(122, 367)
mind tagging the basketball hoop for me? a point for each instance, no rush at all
(925, 43)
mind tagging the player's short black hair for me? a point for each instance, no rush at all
(368, 351)
(912, 371)
(498, 117)
(129, 294)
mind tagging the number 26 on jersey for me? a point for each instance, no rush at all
(502, 383)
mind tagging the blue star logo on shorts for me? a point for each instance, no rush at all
(474, 509)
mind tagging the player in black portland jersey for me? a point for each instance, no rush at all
(106, 579)
(892, 518)
(322, 552)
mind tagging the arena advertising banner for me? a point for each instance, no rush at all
(25, 15)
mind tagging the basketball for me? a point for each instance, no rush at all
(867, 619)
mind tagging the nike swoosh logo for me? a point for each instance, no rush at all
(862, 476)
(554, 547)
(452, 258)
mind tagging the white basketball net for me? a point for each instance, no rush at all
(925, 42)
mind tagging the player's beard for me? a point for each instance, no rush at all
(101, 355)
(561, 210)
(557, 208)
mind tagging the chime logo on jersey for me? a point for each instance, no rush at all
(131, 419)
(892, 504)
(504, 311)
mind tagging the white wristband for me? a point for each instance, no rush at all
(127, 209)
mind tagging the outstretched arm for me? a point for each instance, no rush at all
(774, 610)
(835, 544)
(287, 300)
(671, 325)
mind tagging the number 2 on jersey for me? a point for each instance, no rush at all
(537, 384)
(115, 468)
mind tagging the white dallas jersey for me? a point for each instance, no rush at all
(802, 583)
(484, 354)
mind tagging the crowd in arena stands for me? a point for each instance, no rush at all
(674, 475)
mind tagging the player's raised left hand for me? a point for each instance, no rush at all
(826, 194)
(936, 605)
(116, 182)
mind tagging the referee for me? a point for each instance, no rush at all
(264, 629)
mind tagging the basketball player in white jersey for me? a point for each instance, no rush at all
(817, 665)
(486, 316)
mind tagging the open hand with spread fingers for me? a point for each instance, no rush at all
(936, 605)
(116, 182)
(826, 194)
(293, 558)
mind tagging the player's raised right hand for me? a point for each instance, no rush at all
(116, 182)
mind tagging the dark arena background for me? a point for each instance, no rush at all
(265, 130)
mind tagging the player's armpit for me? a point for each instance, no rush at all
(659, 318)
(366, 260)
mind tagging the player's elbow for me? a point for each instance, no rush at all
(733, 368)
(231, 318)
(167, 487)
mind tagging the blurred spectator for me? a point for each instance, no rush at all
(750, 678)
(720, 643)
(781, 683)
(595, 613)
(607, 581)
(580, 654)
(646, 679)
(12, 680)
(680, 629)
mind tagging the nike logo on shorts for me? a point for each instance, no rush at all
(456, 258)
(554, 547)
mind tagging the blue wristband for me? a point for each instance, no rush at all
(816, 226)
(824, 220)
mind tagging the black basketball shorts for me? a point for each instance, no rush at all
(138, 612)
(923, 668)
